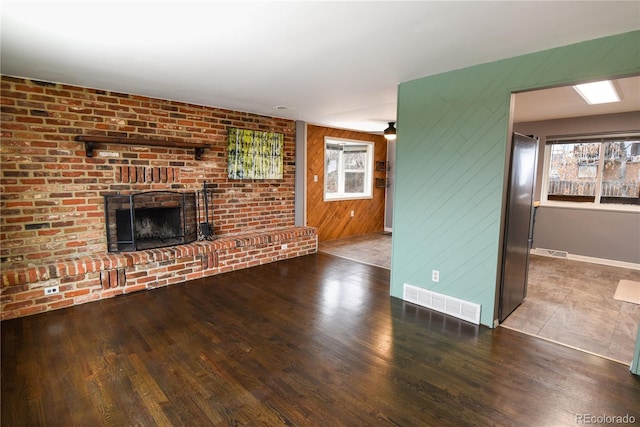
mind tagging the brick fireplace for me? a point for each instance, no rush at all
(53, 223)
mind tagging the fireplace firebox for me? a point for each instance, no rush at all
(148, 220)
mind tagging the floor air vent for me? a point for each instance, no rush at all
(461, 309)
(550, 252)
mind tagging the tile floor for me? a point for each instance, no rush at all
(569, 302)
(372, 249)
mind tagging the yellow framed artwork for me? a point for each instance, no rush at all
(255, 154)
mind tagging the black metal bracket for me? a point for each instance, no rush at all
(88, 148)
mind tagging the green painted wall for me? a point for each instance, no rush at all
(635, 363)
(450, 164)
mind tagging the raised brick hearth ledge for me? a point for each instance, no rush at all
(95, 277)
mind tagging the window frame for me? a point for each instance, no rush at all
(596, 203)
(368, 170)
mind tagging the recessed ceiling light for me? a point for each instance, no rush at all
(598, 92)
(280, 107)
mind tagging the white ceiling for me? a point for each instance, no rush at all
(562, 102)
(331, 63)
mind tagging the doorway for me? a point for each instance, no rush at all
(570, 294)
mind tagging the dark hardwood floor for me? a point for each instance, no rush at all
(312, 341)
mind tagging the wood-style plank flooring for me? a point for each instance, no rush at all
(312, 341)
(569, 302)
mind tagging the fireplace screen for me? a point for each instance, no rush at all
(149, 220)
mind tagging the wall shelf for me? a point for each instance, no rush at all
(382, 166)
(382, 183)
(91, 141)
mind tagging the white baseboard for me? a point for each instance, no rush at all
(582, 258)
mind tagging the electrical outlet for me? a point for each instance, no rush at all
(285, 246)
(51, 290)
(315, 178)
(435, 275)
(353, 213)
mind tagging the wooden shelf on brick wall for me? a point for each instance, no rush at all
(91, 141)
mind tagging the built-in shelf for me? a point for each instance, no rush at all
(382, 166)
(382, 182)
(91, 141)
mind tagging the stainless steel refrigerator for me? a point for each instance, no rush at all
(519, 218)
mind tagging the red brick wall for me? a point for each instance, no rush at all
(51, 205)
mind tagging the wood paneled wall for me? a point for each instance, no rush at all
(333, 219)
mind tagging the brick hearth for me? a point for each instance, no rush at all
(105, 275)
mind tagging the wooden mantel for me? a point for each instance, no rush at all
(91, 141)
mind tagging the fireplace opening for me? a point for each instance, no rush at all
(152, 226)
(150, 220)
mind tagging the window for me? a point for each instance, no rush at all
(347, 169)
(596, 171)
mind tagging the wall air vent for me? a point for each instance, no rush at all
(455, 307)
